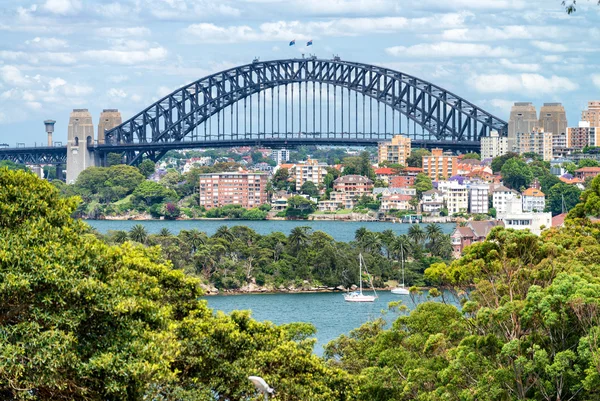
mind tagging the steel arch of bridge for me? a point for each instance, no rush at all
(442, 115)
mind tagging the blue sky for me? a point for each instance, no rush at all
(56, 55)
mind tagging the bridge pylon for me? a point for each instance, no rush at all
(80, 141)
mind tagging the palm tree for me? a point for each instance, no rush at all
(138, 233)
(416, 235)
(298, 237)
(360, 233)
(401, 247)
(164, 232)
(120, 236)
(433, 230)
(371, 242)
(387, 238)
(194, 238)
(442, 247)
(225, 233)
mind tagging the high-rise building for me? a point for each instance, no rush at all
(80, 137)
(311, 170)
(583, 135)
(109, 118)
(396, 151)
(280, 156)
(536, 141)
(439, 165)
(592, 113)
(244, 188)
(493, 145)
(523, 118)
(553, 118)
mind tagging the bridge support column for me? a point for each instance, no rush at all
(80, 141)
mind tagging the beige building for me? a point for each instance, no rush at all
(493, 146)
(592, 113)
(237, 188)
(553, 118)
(523, 118)
(396, 151)
(439, 165)
(310, 170)
(349, 188)
(537, 141)
(583, 135)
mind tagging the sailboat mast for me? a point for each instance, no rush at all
(360, 272)
(402, 253)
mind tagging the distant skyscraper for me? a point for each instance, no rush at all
(553, 118)
(493, 145)
(523, 118)
(280, 156)
(592, 114)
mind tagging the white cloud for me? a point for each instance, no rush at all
(596, 80)
(552, 58)
(62, 7)
(127, 57)
(503, 33)
(163, 91)
(519, 66)
(117, 79)
(136, 98)
(532, 84)
(47, 43)
(473, 4)
(502, 105)
(12, 76)
(123, 32)
(286, 30)
(550, 46)
(449, 49)
(189, 9)
(116, 93)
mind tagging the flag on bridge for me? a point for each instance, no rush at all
(309, 43)
(293, 42)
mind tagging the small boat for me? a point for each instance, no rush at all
(402, 290)
(358, 296)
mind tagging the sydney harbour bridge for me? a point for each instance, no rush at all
(287, 103)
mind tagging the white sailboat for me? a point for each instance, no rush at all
(358, 296)
(401, 290)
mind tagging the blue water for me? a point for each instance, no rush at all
(328, 312)
(339, 230)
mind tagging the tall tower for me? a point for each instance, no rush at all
(523, 118)
(80, 139)
(49, 130)
(553, 118)
(109, 118)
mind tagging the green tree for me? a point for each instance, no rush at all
(416, 157)
(147, 167)
(499, 161)
(299, 206)
(309, 188)
(112, 159)
(151, 193)
(588, 163)
(138, 233)
(12, 165)
(281, 179)
(562, 197)
(422, 184)
(298, 238)
(472, 155)
(359, 165)
(516, 174)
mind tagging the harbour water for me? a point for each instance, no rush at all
(328, 312)
(339, 230)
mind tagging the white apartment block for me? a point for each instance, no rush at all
(457, 197)
(493, 145)
(501, 197)
(536, 141)
(280, 156)
(479, 198)
(517, 219)
(311, 170)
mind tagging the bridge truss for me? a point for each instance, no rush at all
(302, 101)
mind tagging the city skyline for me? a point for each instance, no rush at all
(65, 54)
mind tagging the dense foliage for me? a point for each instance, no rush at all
(83, 320)
(236, 257)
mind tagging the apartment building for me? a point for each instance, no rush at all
(583, 135)
(501, 197)
(395, 151)
(280, 156)
(534, 200)
(349, 188)
(439, 165)
(536, 141)
(479, 198)
(592, 113)
(310, 170)
(247, 189)
(493, 145)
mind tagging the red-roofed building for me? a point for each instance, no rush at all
(474, 231)
(413, 171)
(559, 220)
(401, 181)
(572, 181)
(384, 173)
(586, 172)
